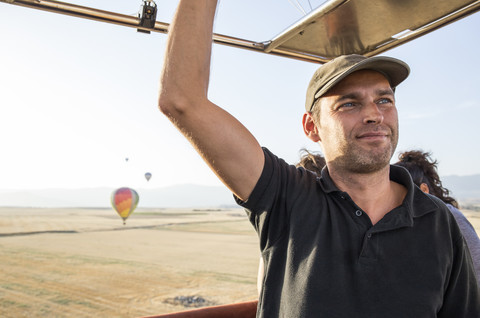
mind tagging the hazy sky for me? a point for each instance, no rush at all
(77, 97)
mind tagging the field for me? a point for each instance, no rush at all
(85, 263)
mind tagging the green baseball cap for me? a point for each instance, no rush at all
(329, 74)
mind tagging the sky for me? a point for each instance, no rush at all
(78, 97)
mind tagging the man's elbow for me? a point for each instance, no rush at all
(177, 104)
(172, 105)
(165, 104)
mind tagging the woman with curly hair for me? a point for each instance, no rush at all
(423, 170)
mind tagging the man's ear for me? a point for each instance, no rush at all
(309, 127)
(424, 188)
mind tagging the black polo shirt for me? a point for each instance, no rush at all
(324, 258)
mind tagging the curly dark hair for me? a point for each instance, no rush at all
(311, 161)
(423, 169)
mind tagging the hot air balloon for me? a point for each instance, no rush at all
(148, 175)
(124, 201)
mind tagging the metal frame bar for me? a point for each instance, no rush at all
(269, 47)
(134, 22)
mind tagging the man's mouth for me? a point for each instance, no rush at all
(373, 136)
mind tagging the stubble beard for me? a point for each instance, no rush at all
(359, 160)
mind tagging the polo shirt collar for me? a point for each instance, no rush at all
(416, 203)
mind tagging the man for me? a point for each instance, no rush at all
(359, 241)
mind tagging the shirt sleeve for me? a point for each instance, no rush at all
(270, 203)
(471, 237)
(462, 295)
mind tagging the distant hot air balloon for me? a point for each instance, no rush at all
(124, 201)
(148, 175)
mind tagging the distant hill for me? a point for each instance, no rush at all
(179, 196)
(466, 189)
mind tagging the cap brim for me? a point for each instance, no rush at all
(395, 70)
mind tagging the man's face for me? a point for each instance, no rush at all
(358, 123)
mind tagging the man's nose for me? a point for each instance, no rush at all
(372, 114)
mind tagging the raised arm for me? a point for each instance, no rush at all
(224, 143)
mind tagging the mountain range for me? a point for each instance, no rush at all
(178, 196)
(466, 189)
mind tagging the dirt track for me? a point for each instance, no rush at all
(85, 263)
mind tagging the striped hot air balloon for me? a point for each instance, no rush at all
(124, 201)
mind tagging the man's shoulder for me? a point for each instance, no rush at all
(442, 213)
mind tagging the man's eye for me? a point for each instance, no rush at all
(385, 101)
(351, 104)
